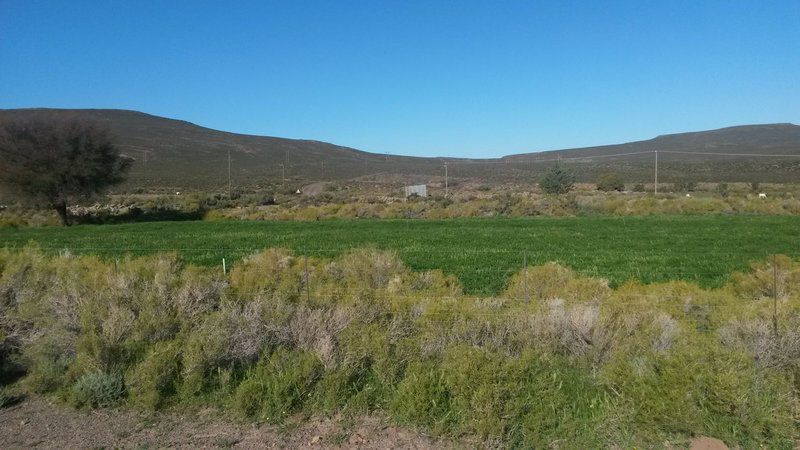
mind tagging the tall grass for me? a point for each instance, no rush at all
(555, 359)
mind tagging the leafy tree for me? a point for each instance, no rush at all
(610, 182)
(59, 161)
(638, 187)
(557, 180)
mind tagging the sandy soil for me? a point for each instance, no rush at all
(40, 423)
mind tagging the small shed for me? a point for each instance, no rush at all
(420, 190)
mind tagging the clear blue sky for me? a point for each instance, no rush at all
(459, 78)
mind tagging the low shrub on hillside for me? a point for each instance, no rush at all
(558, 356)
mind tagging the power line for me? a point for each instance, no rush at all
(786, 155)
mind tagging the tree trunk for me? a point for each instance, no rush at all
(63, 214)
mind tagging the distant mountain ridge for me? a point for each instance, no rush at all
(178, 154)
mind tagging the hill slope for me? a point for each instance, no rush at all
(177, 154)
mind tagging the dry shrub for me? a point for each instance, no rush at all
(317, 331)
(667, 329)
(273, 272)
(199, 293)
(779, 276)
(554, 281)
(434, 283)
(571, 330)
(758, 337)
(81, 313)
(593, 333)
(234, 336)
(368, 268)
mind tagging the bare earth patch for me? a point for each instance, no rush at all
(40, 423)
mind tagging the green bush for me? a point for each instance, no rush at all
(278, 386)
(610, 182)
(156, 377)
(422, 398)
(557, 180)
(97, 390)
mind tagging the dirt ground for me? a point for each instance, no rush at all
(40, 423)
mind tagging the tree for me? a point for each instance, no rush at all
(610, 182)
(59, 161)
(557, 180)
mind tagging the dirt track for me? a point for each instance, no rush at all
(39, 423)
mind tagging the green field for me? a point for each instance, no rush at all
(481, 252)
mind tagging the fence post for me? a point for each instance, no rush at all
(224, 267)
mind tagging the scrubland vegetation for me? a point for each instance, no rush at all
(515, 205)
(337, 201)
(555, 357)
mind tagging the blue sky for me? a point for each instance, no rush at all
(456, 78)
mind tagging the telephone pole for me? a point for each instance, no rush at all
(283, 175)
(655, 183)
(445, 179)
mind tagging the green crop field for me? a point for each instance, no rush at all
(481, 252)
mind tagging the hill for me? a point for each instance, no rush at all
(181, 155)
(175, 154)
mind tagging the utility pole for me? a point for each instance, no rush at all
(655, 184)
(445, 179)
(230, 183)
(283, 175)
